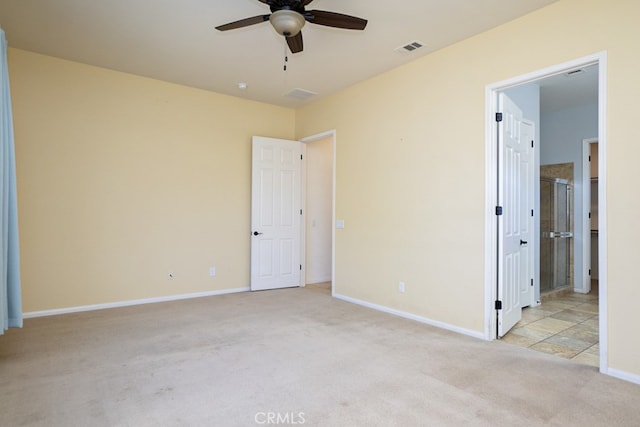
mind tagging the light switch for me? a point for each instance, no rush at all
(340, 223)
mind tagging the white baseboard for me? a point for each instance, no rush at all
(128, 303)
(438, 324)
(626, 376)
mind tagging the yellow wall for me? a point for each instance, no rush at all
(411, 167)
(123, 178)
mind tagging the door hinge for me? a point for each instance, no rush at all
(531, 212)
(532, 143)
(300, 211)
(589, 272)
(589, 158)
(531, 282)
(300, 156)
(498, 117)
(300, 267)
(498, 210)
(498, 305)
(589, 215)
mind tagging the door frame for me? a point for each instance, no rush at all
(586, 209)
(491, 186)
(316, 137)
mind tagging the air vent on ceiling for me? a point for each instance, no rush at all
(301, 94)
(410, 47)
(574, 72)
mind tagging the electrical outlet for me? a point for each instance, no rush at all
(212, 271)
(401, 287)
(170, 275)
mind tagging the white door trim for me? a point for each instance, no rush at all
(491, 184)
(586, 223)
(303, 219)
(312, 138)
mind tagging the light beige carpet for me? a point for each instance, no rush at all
(293, 355)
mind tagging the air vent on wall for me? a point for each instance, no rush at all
(301, 94)
(410, 47)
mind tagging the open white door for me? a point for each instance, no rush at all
(275, 213)
(515, 225)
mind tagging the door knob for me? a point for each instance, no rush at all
(523, 242)
(255, 233)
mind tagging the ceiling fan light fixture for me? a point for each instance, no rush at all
(286, 22)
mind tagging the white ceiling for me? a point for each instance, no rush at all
(175, 40)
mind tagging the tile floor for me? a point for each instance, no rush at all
(565, 324)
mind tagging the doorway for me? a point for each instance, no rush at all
(318, 210)
(492, 244)
(292, 210)
(590, 207)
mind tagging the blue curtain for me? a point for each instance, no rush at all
(10, 294)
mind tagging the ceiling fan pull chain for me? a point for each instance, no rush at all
(286, 57)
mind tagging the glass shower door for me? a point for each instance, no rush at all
(556, 235)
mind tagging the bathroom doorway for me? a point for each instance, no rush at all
(570, 324)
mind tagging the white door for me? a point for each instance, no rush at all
(515, 225)
(275, 213)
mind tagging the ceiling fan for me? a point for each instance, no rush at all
(289, 16)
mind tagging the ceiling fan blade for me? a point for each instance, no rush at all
(336, 20)
(243, 23)
(295, 43)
